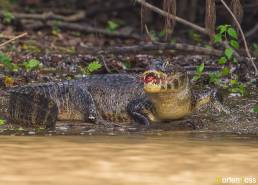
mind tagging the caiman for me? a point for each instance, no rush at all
(162, 93)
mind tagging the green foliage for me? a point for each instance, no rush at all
(2, 121)
(7, 62)
(224, 72)
(172, 41)
(222, 60)
(232, 32)
(154, 35)
(229, 34)
(255, 109)
(8, 17)
(237, 87)
(31, 64)
(196, 37)
(198, 72)
(234, 44)
(255, 48)
(93, 66)
(214, 78)
(228, 53)
(126, 64)
(112, 26)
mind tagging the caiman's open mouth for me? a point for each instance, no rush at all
(152, 77)
(153, 81)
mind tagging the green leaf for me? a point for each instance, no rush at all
(222, 60)
(233, 81)
(225, 71)
(229, 53)
(31, 64)
(162, 33)
(238, 89)
(196, 77)
(2, 121)
(7, 17)
(214, 77)
(173, 41)
(195, 36)
(234, 44)
(208, 46)
(200, 68)
(255, 109)
(218, 38)
(234, 60)
(7, 62)
(112, 26)
(222, 28)
(93, 66)
(255, 46)
(232, 32)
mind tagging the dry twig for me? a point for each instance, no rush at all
(178, 19)
(13, 39)
(50, 16)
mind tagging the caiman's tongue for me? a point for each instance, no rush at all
(149, 79)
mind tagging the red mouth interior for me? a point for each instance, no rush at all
(151, 77)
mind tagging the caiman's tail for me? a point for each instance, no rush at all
(30, 110)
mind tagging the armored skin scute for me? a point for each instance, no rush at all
(161, 93)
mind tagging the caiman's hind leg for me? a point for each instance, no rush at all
(141, 110)
(213, 98)
(32, 110)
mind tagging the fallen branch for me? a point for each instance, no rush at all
(243, 37)
(13, 39)
(90, 29)
(50, 16)
(162, 47)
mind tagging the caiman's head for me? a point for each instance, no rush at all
(165, 77)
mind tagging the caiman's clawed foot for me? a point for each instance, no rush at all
(141, 111)
(216, 100)
(213, 98)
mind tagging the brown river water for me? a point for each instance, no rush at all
(161, 158)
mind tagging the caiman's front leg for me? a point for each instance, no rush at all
(213, 98)
(141, 111)
(84, 102)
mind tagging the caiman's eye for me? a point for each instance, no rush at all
(159, 65)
